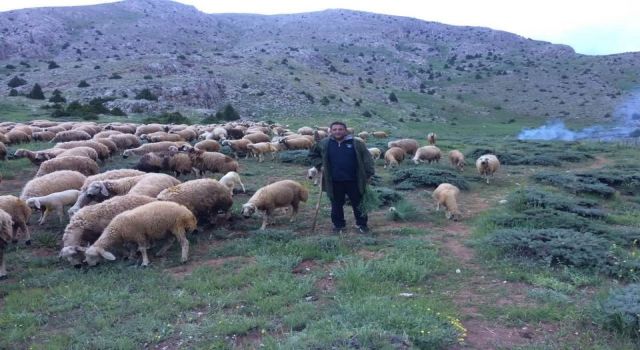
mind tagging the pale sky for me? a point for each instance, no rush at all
(589, 26)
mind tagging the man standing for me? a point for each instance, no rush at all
(347, 167)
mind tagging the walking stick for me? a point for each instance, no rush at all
(315, 216)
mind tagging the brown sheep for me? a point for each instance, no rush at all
(20, 214)
(44, 136)
(281, 194)
(113, 148)
(431, 138)
(427, 154)
(17, 136)
(393, 157)
(456, 158)
(212, 161)
(446, 194)
(208, 146)
(408, 145)
(238, 146)
(148, 129)
(257, 137)
(179, 163)
(103, 151)
(380, 134)
(6, 236)
(3, 151)
(71, 135)
(206, 198)
(80, 152)
(125, 141)
(297, 143)
(83, 165)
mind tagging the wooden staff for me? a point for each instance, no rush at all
(315, 216)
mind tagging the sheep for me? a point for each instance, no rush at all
(456, 158)
(143, 224)
(6, 236)
(105, 134)
(487, 165)
(257, 137)
(431, 138)
(4, 139)
(204, 197)
(208, 146)
(393, 156)
(280, 194)
(235, 133)
(446, 194)
(312, 174)
(151, 147)
(102, 150)
(83, 165)
(152, 184)
(212, 161)
(23, 128)
(55, 129)
(375, 152)
(179, 163)
(3, 151)
(90, 129)
(427, 154)
(123, 128)
(113, 148)
(238, 146)
(84, 199)
(56, 181)
(187, 134)
(36, 158)
(261, 148)
(71, 135)
(125, 141)
(305, 130)
(87, 224)
(363, 135)
(148, 129)
(297, 143)
(87, 152)
(20, 214)
(43, 136)
(161, 137)
(231, 180)
(380, 134)
(98, 191)
(218, 133)
(53, 202)
(408, 145)
(17, 136)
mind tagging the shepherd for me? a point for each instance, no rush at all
(347, 168)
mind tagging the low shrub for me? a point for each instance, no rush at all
(295, 157)
(402, 211)
(429, 177)
(533, 197)
(387, 195)
(575, 183)
(620, 311)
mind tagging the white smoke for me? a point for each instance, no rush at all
(626, 125)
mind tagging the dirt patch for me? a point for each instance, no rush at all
(182, 271)
(600, 162)
(304, 267)
(369, 255)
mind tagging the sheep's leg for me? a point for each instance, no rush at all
(265, 220)
(60, 214)
(142, 247)
(45, 213)
(294, 210)
(184, 244)
(260, 158)
(242, 185)
(3, 267)
(27, 234)
(166, 246)
(437, 206)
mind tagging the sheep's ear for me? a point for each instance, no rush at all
(103, 190)
(106, 255)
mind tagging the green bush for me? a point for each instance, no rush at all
(36, 93)
(57, 97)
(83, 83)
(402, 211)
(620, 311)
(533, 197)
(575, 183)
(541, 218)
(227, 113)
(16, 81)
(295, 157)
(146, 94)
(387, 195)
(428, 177)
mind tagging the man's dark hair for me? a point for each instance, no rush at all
(337, 123)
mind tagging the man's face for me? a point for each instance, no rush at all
(338, 131)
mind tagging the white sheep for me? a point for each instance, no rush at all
(84, 199)
(312, 174)
(206, 198)
(87, 152)
(393, 157)
(6, 236)
(231, 180)
(427, 154)
(103, 151)
(71, 135)
(487, 165)
(141, 225)
(431, 138)
(375, 152)
(83, 165)
(53, 202)
(456, 158)
(87, 224)
(446, 195)
(261, 148)
(281, 194)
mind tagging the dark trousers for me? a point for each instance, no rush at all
(348, 188)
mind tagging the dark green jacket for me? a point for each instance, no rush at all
(320, 159)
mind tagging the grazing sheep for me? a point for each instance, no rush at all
(431, 138)
(178, 163)
(208, 146)
(105, 134)
(312, 174)
(427, 154)
(319, 135)
(363, 135)
(297, 143)
(447, 194)
(83, 165)
(17, 136)
(219, 133)
(375, 152)
(55, 129)
(151, 147)
(4, 139)
(3, 151)
(212, 161)
(123, 128)
(20, 214)
(84, 199)
(408, 145)
(125, 141)
(487, 165)
(87, 224)
(113, 148)
(187, 134)
(36, 158)
(87, 152)
(305, 130)
(71, 135)
(6, 236)
(456, 158)
(99, 190)
(141, 225)
(44, 136)
(231, 180)
(380, 134)
(206, 198)
(102, 150)
(56, 181)
(393, 157)
(161, 137)
(148, 129)
(281, 194)
(238, 146)
(261, 148)
(257, 137)
(53, 202)
(152, 184)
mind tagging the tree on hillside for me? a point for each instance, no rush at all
(36, 93)
(228, 113)
(16, 81)
(392, 97)
(57, 97)
(83, 83)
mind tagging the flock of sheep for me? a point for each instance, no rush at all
(125, 210)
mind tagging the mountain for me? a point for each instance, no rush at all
(333, 62)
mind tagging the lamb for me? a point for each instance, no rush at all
(125, 141)
(312, 174)
(102, 150)
(380, 134)
(281, 194)
(231, 180)
(427, 154)
(83, 165)
(393, 156)
(141, 225)
(212, 161)
(431, 138)
(208, 146)
(446, 194)
(297, 143)
(56, 181)
(87, 152)
(87, 224)
(487, 165)
(84, 199)
(151, 147)
(408, 145)
(261, 148)
(456, 158)
(71, 135)
(3, 151)
(238, 146)
(53, 202)
(257, 137)
(375, 152)
(20, 214)
(204, 197)
(6, 236)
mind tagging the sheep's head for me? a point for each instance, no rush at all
(33, 203)
(126, 153)
(97, 189)
(312, 172)
(453, 215)
(248, 209)
(93, 255)
(190, 223)
(73, 254)
(484, 161)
